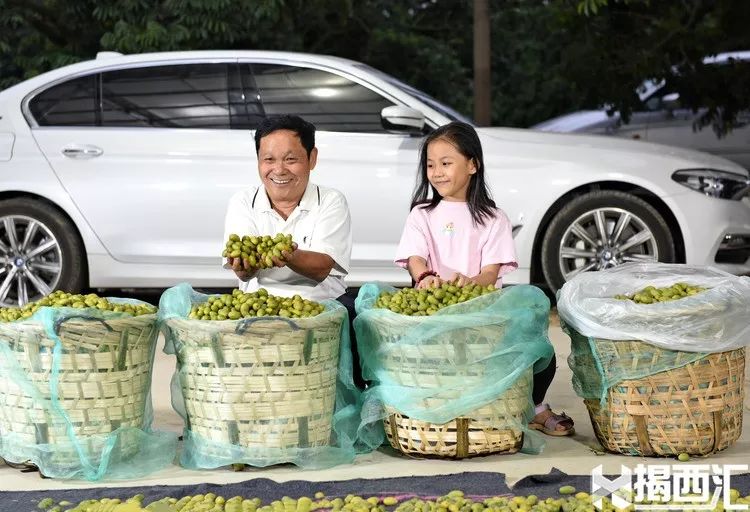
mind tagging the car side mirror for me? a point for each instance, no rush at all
(671, 101)
(402, 119)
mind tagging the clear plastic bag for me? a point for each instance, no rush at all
(715, 320)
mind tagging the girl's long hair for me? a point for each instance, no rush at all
(466, 141)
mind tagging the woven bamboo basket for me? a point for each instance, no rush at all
(695, 408)
(103, 383)
(266, 383)
(447, 360)
(466, 436)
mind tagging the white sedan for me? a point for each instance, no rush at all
(116, 172)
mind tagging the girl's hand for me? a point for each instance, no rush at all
(460, 280)
(429, 282)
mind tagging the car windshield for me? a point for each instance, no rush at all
(420, 95)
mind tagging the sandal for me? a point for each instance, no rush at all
(550, 425)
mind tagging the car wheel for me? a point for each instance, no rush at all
(602, 229)
(40, 252)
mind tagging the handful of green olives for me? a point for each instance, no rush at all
(651, 294)
(428, 301)
(237, 305)
(61, 299)
(259, 251)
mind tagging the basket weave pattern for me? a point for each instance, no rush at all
(450, 360)
(103, 382)
(695, 409)
(465, 436)
(266, 384)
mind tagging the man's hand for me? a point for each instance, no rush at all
(241, 267)
(286, 257)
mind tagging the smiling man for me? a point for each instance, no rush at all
(287, 202)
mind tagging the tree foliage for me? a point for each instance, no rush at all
(619, 43)
(548, 57)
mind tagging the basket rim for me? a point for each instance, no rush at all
(28, 322)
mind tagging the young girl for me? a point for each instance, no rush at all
(458, 234)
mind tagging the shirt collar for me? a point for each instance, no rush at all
(310, 198)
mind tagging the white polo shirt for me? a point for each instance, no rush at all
(320, 223)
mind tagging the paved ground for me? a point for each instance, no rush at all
(572, 455)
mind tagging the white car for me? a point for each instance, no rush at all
(663, 119)
(116, 172)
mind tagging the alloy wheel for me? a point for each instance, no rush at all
(604, 238)
(30, 260)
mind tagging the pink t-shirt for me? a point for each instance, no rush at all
(450, 241)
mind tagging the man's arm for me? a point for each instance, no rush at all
(332, 244)
(331, 247)
(313, 265)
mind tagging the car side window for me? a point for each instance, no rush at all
(177, 96)
(244, 100)
(329, 101)
(71, 103)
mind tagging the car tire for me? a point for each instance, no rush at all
(40, 251)
(567, 244)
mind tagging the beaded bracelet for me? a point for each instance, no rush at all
(425, 274)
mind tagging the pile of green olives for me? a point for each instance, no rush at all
(60, 299)
(651, 294)
(428, 301)
(567, 499)
(237, 305)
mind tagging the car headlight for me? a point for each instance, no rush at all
(713, 183)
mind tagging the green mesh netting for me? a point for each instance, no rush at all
(454, 362)
(599, 364)
(262, 391)
(75, 394)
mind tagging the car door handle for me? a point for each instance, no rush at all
(82, 152)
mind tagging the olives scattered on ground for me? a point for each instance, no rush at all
(239, 305)
(60, 299)
(454, 501)
(428, 301)
(651, 294)
(259, 251)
